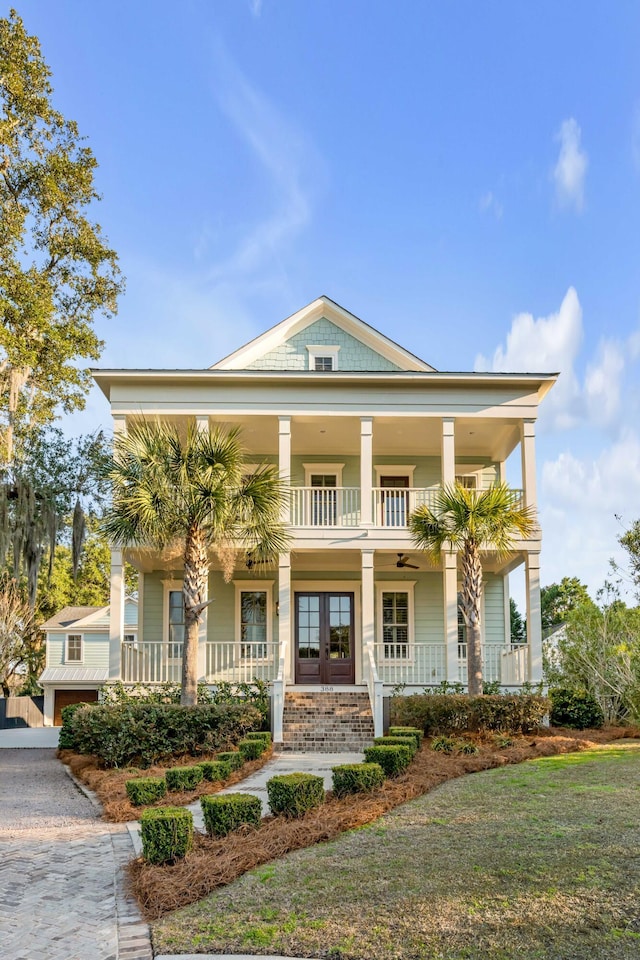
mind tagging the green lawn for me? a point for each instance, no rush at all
(539, 861)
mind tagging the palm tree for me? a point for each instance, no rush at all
(469, 521)
(192, 494)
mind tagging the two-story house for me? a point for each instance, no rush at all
(363, 431)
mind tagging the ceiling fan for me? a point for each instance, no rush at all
(250, 562)
(403, 561)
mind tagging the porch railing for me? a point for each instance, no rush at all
(425, 664)
(152, 661)
(392, 506)
(325, 506)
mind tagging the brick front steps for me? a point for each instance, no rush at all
(336, 722)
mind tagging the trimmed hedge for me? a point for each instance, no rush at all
(251, 749)
(456, 713)
(141, 734)
(407, 732)
(146, 790)
(570, 708)
(184, 778)
(222, 814)
(391, 741)
(215, 770)
(259, 735)
(167, 834)
(233, 757)
(356, 778)
(394, 760)
(293, 794)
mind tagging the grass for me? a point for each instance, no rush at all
(538, 861)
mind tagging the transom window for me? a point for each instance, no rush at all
(74, 648)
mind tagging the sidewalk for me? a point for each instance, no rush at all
(32, 738)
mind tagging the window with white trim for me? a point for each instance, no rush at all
(254, 611)
(395, 620)
(74, 652)
(322, 358)
(175, 624)
(467, 480)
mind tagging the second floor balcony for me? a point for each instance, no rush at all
(342, 506)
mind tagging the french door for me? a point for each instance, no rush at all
(324, 638)
(395, 501)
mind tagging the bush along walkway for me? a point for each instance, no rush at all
(255, 784)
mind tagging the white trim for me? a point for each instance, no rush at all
(254, 586)
(73, 633)
(331, 469)
(470, 470)
(317, 350)
(396, 586)
(394, 470)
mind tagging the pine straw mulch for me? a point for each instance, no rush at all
(215, 863)
(109, 785)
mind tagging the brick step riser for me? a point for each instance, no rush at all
(327, 722)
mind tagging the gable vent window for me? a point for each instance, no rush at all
(323, 363)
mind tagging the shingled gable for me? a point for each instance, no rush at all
(321, 316)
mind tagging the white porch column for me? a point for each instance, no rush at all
(284, 459)
(450, 594)
(534, 616)
(284, 614)
(116, 614)
(116, 593)
(366, 471)
(528, 451)
(202, 426)
(368, 606)
(448, 451)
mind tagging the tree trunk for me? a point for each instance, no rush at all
(196, 572)
(471, 600)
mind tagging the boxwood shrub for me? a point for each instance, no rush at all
(233, 757)
(251, 749)
(166, 833)
(67, 740)
(142, 734)
(573, 708)
(395, 741)
(407, 732)
(456, 713)
(146, 790)
(184, 778)
(394, 758)
(215, 770)
(226, 812)
(259, 735)
(356, 778)
(293, 794)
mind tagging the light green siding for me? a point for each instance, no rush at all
(152, 602)
(494, 626)
(293, 354)
(428, 609)
(95, 649)
(221, 624)
(350, 473)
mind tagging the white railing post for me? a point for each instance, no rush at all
(279, 686)
(534, 616)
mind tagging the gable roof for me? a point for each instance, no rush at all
(95, 618)
(68, 616)
(332, 311)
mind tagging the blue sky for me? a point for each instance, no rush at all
(463, 176)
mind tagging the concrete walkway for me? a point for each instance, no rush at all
(30, 738)
(318, 763)
(61, 882)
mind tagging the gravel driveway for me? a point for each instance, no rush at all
(60, 880)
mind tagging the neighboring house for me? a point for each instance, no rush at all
(77, 655)
(364, 431)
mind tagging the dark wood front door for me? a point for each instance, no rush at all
(324, 638)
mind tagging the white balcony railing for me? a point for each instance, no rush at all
(392, 506)
(425, 664)
(156, 662)
(325, 506)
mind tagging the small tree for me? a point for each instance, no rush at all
(518, 628)
(470, 521)
(20, 647)
(559, 599)
(192, 494)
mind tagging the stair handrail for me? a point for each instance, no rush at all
(279, 686)
(375, 687)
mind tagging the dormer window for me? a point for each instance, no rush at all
(322, 358)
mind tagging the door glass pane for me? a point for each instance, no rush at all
(339, 628)
(309, 628)
(324, 499)
(176, 624)
(395, 501)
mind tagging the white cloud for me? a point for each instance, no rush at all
(571, 168)
(489, 203)
(256, 7)
(602, 384)
(580, 500)
(545, 345)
